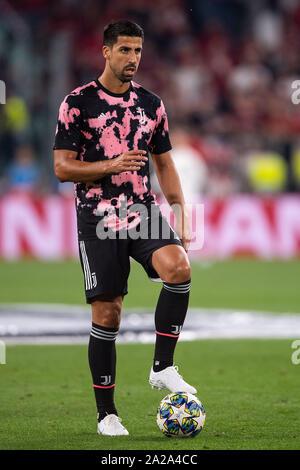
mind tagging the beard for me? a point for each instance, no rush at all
(121, 75)
(124, 79)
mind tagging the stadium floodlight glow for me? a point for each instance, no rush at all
(2, 92)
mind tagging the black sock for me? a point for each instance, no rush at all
(169, 318)
(102, 360)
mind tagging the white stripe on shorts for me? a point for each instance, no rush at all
(86, 267)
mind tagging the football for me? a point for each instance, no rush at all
(180, 414)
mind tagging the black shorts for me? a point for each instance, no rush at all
(106, 263)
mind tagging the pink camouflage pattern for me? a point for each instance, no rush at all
(100, 125)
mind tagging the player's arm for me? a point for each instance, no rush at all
(68, 142)
(169, 181)
(68, 168)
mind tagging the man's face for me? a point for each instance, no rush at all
(124, 57)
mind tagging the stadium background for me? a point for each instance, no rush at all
(224, 70)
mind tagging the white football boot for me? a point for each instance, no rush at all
(170, 379)
(111, 426)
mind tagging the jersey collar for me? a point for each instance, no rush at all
(108, 92)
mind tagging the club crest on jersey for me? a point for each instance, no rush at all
(142, 116)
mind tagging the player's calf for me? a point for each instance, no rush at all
(169, 319)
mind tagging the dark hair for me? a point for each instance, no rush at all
(121, 28)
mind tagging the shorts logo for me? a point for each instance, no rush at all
(94, 280)
(107, 379)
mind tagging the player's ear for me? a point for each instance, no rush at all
(106, 52)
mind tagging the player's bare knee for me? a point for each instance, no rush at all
(115, 314)
(107, 314)
(178, 272)
(109, 318)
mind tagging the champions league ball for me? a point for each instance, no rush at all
(180, 414)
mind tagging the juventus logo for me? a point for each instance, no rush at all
(176, 329)
(94, 280)
(142, 116)
(107, 379)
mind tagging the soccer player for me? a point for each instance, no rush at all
(105, 133)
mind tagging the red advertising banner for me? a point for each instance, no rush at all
(45, 227)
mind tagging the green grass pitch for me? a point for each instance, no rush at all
(242, 284)
(250, 388)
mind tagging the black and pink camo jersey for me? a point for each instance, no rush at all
(101, 125)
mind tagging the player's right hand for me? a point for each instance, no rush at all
(133, 160)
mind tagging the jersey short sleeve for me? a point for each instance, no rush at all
(68, 129)
(160, 141)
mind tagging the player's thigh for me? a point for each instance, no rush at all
(171, 263)
(163, 246)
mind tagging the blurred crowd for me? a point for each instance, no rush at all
(224, 69)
